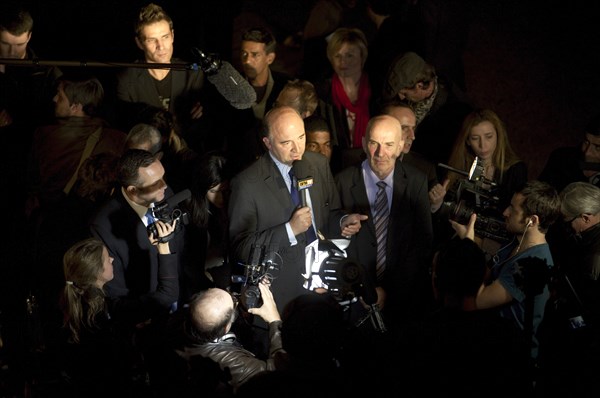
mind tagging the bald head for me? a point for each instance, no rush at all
(383, 143)
(408, 121)
(285, 137)
(212, 313)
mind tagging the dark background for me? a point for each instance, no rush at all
(534, 62)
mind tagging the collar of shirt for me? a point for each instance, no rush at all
(139, 209)
(284, 169)
(371, 181)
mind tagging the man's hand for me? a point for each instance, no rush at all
(301, 220)
(196, 112)
(465, 231)
(268, 310)
(352, 223)
(436, 195)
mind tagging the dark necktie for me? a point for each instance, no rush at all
(310, 232)
(380, 218)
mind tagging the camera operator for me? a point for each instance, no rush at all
(514, 269)
(122, 225)
(208, 334)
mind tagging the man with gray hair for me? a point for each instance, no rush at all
(573, 314)
(144, 136)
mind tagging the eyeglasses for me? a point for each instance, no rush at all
(572, 219)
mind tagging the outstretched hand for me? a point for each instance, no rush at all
(437, 194)
(352, 224)
(465, 231)
(268, 310)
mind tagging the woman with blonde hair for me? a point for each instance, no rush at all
(348, 92)
(483, 135)
(100, 355)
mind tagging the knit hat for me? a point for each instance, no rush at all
(403, 73)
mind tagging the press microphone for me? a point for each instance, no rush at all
(228, 81)
(303, 182)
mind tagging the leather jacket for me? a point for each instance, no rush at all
(232, 358)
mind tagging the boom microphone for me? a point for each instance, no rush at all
(228, 81)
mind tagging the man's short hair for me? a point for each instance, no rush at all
(204, 326)
(316, 123)
(150, 14)
(386, 106)
(541, 199)
(143, 136)
(307, 99)
(129, 166)
(15, 19)
(261, 35)
(87, 91)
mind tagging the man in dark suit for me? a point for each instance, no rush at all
(402, 279)
(135, 293)
(261, 210)
(121, 223)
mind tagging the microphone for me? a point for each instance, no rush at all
(228, 81)
(303, 186)
(301, 168)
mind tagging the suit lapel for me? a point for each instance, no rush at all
(274, 181)
(358, 191)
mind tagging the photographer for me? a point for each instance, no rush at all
(482, 143)
(208, 334)
(122, 225)
(516, 267)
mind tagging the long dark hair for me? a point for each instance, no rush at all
(211, 170)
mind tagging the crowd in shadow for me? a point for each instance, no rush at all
(225, 227)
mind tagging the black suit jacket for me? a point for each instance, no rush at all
(409, 239)
(136, 260)
(261, 205)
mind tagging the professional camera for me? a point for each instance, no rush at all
(168, 212)
(476, 194)
(261, 266)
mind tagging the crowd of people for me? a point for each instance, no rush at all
(360, 226)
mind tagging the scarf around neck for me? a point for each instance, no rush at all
(360, 109)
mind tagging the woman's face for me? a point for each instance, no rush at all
(215, 195)
(347, 62)
(107, 269)
(483, 139)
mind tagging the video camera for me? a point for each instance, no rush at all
(168, 212)
(261, 265)
(476, 194)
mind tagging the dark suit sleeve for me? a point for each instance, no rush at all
(138, 309)
(245, 227)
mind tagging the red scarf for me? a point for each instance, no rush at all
(360, 109)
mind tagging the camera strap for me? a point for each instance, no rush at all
(90, 144)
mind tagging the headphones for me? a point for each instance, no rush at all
(529, 223)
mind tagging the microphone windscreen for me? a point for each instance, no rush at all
(233, 87)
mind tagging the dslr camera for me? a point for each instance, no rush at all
(476, 194)
(168, 212)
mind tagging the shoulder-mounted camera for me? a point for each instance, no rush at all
(476, 194)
